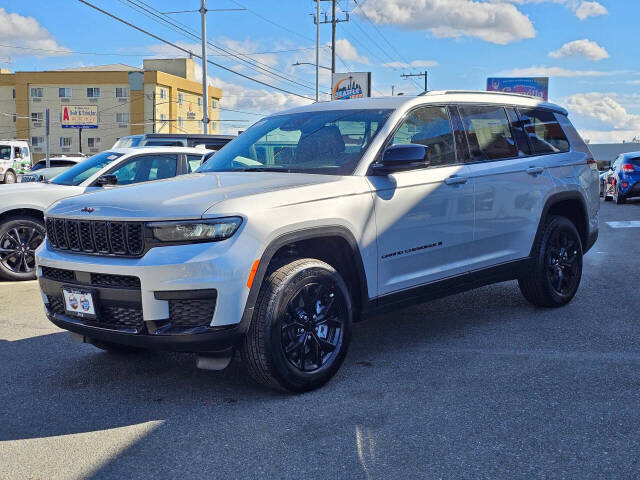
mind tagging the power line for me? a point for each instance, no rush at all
(152, 35)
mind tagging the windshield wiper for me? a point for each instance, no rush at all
(263, 169)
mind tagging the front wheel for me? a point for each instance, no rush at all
(618, 197)
(301, 328)
(19, 238)
(556, 274)
(10, 177)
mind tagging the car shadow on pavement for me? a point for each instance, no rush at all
(218, 421)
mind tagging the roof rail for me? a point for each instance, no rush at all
(479, 92)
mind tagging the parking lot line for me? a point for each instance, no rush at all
(627, 224)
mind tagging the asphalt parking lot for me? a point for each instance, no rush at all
(477, 385)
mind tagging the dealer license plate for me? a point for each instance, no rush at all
(79, 303)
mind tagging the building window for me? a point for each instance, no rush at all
(37, 92)
(213, 126)
(214, 103)
(163, 117)
(122, 92)
(163, 93)
(180, 98)
(14, 93)
(180, 122)
(36, 117)
(64, 92)
(65, 141)
(199, 101)
(93, 92)
(122, 118)
(14, 118)
(93, 142)
(37, 142)
(200, 125)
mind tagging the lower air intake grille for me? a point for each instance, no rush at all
(59, 274)
(191, 313)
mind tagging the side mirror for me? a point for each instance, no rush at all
(104, 180)
(397, 158)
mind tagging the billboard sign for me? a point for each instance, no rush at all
(345, 86)
(79, 116)
(534, 86)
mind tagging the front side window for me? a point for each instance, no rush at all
(429, 126)
(85, 169)
(37, 92)
(330, 142)
(144, 168)
(488, 133)
(544, 131)
(64, 92)
(93, 92)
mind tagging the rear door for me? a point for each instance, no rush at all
(424, 217)
(510, 184)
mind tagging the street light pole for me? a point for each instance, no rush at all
(205, 100)
(317, 51)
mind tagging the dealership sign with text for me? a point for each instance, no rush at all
(534, 86)
(346, 86)
(80, 116)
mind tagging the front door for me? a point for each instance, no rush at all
(424, 217)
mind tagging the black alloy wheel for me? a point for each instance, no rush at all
(313, 326)
(562, 260)
(19, 239)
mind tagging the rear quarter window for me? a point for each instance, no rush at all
(544, 131)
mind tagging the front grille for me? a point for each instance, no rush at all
(59, 274)
(191, 313)
(97, 237)
(114, 281)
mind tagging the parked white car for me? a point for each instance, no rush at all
(22, 205)
(57, 165)
(319, 216)
(15, 157)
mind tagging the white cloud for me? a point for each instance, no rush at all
(414, 64)
(348, 52)
(542, 71)
(27, 32)
(499, 23)
(581, 48)
(605, 108)
(608, 136)
(590, 9)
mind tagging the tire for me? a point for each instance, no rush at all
(19, 237)
(115, 347)
(618, 198)
(603, 189)
(277, 349)
(10, 177)
(557, 255)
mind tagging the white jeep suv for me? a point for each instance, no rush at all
(319, 216)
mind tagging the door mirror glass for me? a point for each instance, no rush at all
(104, 180)
(397, 158)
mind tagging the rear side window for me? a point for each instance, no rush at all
(517, 127)
(488, 133)
(544, 131)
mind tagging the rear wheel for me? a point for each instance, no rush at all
(618, 197)
(557, 271)
(301, 327)
(19, 238)
(10, 177)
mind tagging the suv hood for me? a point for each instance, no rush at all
(188, 196)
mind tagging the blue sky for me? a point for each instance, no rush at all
(588, 48)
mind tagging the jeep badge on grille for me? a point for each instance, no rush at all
(88, 209)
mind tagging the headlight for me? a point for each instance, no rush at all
(196, 230)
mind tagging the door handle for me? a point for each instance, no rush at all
(454, 180)
(535, 170)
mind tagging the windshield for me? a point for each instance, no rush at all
(330, 142)
(5, 152)
(128, 142)
(78, 174)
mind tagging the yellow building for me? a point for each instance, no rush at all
(162, 97)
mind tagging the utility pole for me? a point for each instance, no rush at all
(317, 50)
(425, 75)
(153, 100)
(393, 90)
(205, 102)
(334, 22)
(47, 133)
